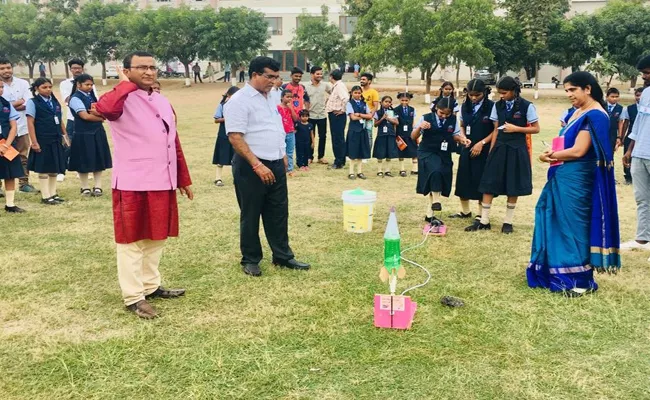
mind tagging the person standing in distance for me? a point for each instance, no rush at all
(317, 91)
(259, 168)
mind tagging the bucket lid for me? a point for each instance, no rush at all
(357, 192)
(359, 195)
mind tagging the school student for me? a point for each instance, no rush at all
(89, 151)
(614, 110)
(385, 145)
(440, 131)
(156, 87)
(223, 151)
(304, 140)
(405, 116)
(358, 147)
(9, 170)
(478, 128)
(289, 118)
(46, 130)
(625, 125)
(507, 169)
(447, 91)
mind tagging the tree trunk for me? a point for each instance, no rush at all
(536, 96)
(427, 89)
(31, 66)
(188, 81)
(67, 70)
(609, 82)
(49, 67)
(633, 82)
(104, 82)
(407, 81)
(457, 74)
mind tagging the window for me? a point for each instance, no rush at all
(275, 25)
(347, 24)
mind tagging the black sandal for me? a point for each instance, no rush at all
(361, 176)
(85, 192)
(97, 192)
(402, 174)
(388, 174)
(380, 174)
(218, 182)
(352, 176)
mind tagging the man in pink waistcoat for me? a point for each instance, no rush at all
(148, 167)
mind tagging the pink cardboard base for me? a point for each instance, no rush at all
(395, 312)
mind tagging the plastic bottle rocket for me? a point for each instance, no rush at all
(392, 268)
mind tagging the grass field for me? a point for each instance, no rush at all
(309, 335)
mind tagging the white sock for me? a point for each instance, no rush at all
(510, 213)
(387, 166)
(429, 203)
(414, 166)
(97, 176)
(485, 214)
(217, 176)
(43, 182)
(480, 208)
(83, 178)
(359, 165)
(435, 197)
(51, 183)
(402, 164)
(464, 205)
(10, 195)
(380, 167)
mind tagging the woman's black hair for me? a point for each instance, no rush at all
(337, 74)
(509, 84)
(440, 95)
(386, 97)
(404, 94)
(476, 85)
(286, 92)
(38, 82)
(80, 79)
(613, 90)
(445, 103)
(232, 90)
(356, 87)
(582, 79)
(303, 113)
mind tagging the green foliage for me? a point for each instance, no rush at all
(237, 35)
(21, 33)
(321, 40)
(573, 42)
(505, 39)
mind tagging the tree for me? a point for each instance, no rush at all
(603, 67)
(101, 31)
(623, 27)
(170, 33)
(237, 35)
(322, 41)
(572, 42)
(505, 39)
(22, 34)
(57, 44)
(536, 18)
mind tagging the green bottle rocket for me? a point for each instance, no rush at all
(392, 268)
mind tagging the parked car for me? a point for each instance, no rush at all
(486, 76)
(111, 72)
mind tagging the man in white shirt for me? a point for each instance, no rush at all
(259, 168)
(17, 92)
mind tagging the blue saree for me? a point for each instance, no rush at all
(576, 217)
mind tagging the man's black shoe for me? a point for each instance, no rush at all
(165, 293)
(507, 229)
(251, 269)
(291, 264)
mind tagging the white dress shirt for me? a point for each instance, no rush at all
(14, 91)
(256, 116)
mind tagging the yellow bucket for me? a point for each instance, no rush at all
(358, 207)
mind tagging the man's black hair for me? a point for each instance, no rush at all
(258, 64)
(76, 61)
(126, 63)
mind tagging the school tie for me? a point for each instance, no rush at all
(441, 122)
(509, 105)
(49, 104)
(406, 111)
(609, 109)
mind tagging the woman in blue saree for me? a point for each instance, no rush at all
(576, 218)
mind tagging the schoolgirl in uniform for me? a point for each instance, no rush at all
(223, 151)
(507, 169)
(9, 170)
(478, 128)
(614, 110)
(46, 131)
(358, 146)
(385, 145)
(405, 117)
(89, 151)
(440, 131)
(447, 91)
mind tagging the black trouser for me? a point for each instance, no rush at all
(70, 131)
(241, 76)
(226, 77)
(271, 202)
(321, 125)
(337, 126)
(197, 75)
(626, 170)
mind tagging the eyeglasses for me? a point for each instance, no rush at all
(270, 77)
(144, 68)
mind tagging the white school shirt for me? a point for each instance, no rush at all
(65, 88)
(14, 91)
(256, 116)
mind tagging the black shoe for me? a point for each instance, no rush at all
(252, 269)
(507, 229)
(14, 210)
(461, 215)
(58, 199)
(436, 207)
(388, 174)
(402, 174)
(335, 166)
(414, 172)
(628, 181)
(291, 264)
(478, 226)
(50, 201)
(361, 176)
(352, 176)
(165, 293)
(380, 174)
